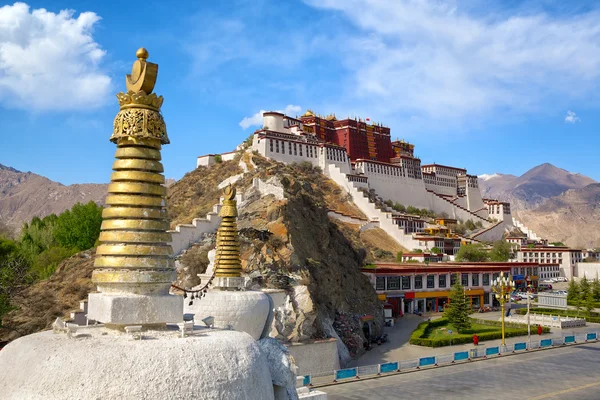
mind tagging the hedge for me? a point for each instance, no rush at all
(420, 335)
(595, 318)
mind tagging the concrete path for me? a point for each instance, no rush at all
(397, 348)
(561, 374)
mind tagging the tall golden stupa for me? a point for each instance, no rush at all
(134, 257)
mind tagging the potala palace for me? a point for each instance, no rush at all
(362, 159)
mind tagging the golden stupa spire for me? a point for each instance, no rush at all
(227, 258)
(134, 257)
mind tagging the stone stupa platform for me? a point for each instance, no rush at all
(104, 363)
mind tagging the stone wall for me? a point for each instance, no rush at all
(314, 357)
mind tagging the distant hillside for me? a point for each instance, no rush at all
(24, 195)
(572, 217)
(531, 189)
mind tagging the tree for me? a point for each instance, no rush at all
(399, 207)
(479, 224)
(596, 289)
(472, 252)
(470, 225)
(436, 250)
(500, 251)
(589, 303)
(584, 287)
(417, 251)
(412, 210)
(399, 256)
(458, 310)
(557, 243)
(79, 227)
(572, 290)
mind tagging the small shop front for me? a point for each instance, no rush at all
(437, 301)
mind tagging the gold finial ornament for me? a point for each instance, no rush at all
(140, 115)
(134, 256)
(143, 74)
(227, 259)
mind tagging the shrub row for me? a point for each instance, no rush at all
(565, 313)
(419, 335)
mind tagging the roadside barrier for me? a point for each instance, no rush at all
(480, 352)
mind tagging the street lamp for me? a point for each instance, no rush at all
(528, 323)
(502, 286)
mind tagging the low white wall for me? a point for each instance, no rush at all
(185, 235)
(318, 356)
(346, 218)
(587, 269)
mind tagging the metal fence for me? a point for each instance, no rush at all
(479, 352)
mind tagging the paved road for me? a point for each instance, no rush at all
(566, 373)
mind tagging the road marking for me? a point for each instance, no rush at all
(575, 389)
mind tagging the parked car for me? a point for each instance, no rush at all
(544, 286)
(561, 279)
(550, 280)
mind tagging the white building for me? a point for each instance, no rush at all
(566, 259)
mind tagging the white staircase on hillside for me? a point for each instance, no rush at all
(376, 216)
(530, 234)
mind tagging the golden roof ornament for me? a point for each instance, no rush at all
(140, 115)
(227, 259)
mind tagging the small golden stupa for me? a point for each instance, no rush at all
(227, 258)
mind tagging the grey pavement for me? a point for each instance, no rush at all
(562, 373)
(397, 348)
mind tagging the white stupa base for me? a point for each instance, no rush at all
(122, 309)
(228, 283)
(99, 363)
(244, 311)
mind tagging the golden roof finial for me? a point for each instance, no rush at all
(140, 108)
(143, 74)
(227, 259)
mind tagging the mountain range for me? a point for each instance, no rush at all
(556, 204)
(24, 195)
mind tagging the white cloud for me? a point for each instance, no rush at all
(49, 61)
(257, 119)
(571, 117)
(444, 61)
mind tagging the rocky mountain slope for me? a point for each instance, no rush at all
(288, 243)
(531, 189)
(573, 217)
(24, 195)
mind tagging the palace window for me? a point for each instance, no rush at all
(464, 279)
(380, 283)
(418, 281)
(486, 279)
(301, 149)
(295, 150)
(393, 282)
(430, 281)
(452, 279)
(442, 281)
(475, 279)
(405, 282)
(271, 145)
(277, 146)
(290, 147)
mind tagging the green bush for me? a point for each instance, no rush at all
(420, 336)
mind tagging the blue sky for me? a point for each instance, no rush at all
(498, 88)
